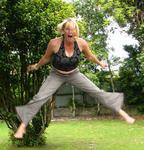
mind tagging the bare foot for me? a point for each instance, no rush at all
(126, 117)
(130, 120)
(20, 131)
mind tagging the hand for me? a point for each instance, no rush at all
(32, 67)
(103, 64)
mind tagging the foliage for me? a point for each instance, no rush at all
(94, 21)
(140, 59)
(131, 74)
(127, 13)
(26, 27)
(131, 77)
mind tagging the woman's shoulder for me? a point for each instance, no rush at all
(55, 43)
(82, 43)
(80, 40)
(56, 40)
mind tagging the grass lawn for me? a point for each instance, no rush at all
(96, 134)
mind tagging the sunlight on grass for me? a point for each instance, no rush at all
(96, 134)
(86, 134)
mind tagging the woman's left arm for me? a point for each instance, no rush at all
(90, 56)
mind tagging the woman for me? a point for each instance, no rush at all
(65, 53)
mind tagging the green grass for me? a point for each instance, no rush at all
(97, 134)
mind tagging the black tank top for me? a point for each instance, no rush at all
(61, 62)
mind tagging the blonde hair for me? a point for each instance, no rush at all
(62, 25)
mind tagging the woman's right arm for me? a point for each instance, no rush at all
(44, 59)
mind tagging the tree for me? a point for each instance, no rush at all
(128, 13)
(26, 28)
(131, 77)
(131, 13)
(94, 21)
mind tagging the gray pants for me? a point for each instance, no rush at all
(26, 112)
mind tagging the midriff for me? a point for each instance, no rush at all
(66, 72)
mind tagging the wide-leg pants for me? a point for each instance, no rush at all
(112, 100)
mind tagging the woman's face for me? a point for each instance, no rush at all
(69, 31)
